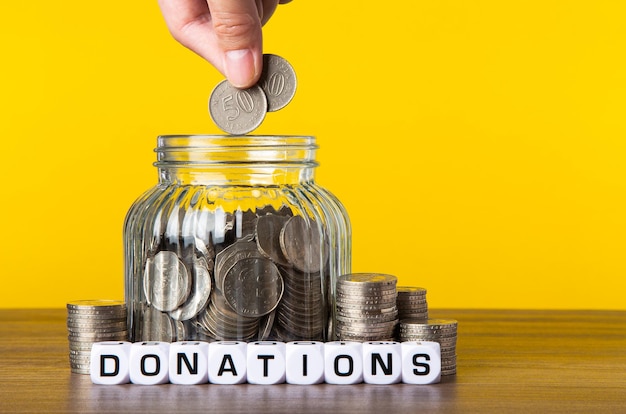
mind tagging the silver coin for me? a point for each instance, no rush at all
(266, 325)
(97, 305)
(367, 278)
(411, 291)
(200, 293)
(100, 324)
(278, 80)
(224, 260)
(253, 287)
(301, 244)
(157, 326)
(267, 233)
(167, 282)
(237, 111)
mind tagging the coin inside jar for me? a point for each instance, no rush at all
(253, 287)
(300, 242)
(167, 281)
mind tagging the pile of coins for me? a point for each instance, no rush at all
(90, 321)
(443, 331)
(240, 111)
(366, 307)
(412, 303)
(263, 280)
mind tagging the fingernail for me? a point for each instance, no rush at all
(239, 67)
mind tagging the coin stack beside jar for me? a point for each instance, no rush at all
(366, 307)
(443, 331)
(412, 303)
(90, 321)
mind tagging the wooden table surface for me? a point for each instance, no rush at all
(508, 361)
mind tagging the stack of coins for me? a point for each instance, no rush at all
(412, 303)
(366, 307)
(443, 331)
(240, 111)
(90, 321)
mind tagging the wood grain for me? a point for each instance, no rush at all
(508, 361)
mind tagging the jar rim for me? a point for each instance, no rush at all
(176, 142)
(235, 150)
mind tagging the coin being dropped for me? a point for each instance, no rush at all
(237, 111)
(278, 80)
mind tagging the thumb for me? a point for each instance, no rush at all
(237, 29)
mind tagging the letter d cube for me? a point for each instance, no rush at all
(149, 362)
(110, 362)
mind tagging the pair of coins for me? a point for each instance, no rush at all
(412, 303)
(366, 307)
(90, 321)
(443, 331)
(240, 111)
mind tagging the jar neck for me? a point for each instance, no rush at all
(235, 160)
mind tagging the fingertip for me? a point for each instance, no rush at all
(241, 68)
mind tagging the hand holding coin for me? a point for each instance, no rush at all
(227, 33)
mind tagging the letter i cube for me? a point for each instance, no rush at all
(305, 362)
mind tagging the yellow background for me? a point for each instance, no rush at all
(479, 146)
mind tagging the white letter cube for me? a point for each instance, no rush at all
(110, 362)
(421, 362)
(266, 362)
(228, 362)
(189, 363)
(149, 362)
(304, 362)
(343, 362)
(382, 362)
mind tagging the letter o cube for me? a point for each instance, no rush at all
(149, 362)
(343, 362)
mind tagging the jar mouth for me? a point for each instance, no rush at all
(197, 150)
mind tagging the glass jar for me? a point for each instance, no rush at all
(235, 242)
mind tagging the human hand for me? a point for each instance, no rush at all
(227, 33)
